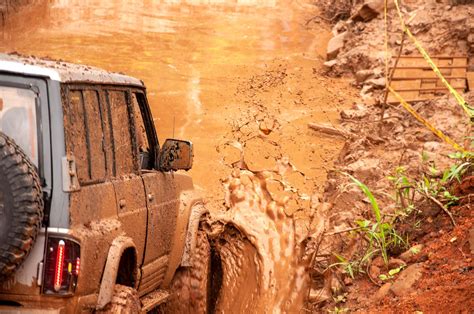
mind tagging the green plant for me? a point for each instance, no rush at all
(380, 234)
(349, 267)
(391, 273)
(338, 310)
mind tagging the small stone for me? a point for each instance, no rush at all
(374, 271)
(362, 75)
(330, 64)
(366, 91)
(395, 263)
(369, 10)
(407, 279)
(348, 281)
(319, 296)
(379, 82)
(353, 114)
(335, 45)
(383, 291)
(364, 169)
(413, 251)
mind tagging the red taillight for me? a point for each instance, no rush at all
(58, 270)
(78, 266)
(61, 266)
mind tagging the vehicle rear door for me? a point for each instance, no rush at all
(129, 190)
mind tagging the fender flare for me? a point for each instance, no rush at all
(119, 245)
(197, 211)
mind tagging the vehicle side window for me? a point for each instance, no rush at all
(125, 157)
(86, 137)
(96, 139)
(143, 143)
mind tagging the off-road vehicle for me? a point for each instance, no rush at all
(93, 215)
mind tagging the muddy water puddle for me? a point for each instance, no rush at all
(235, 77)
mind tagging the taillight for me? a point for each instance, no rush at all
(62, 265)
(58, 270)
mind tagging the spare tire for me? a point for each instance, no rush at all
(21, 206)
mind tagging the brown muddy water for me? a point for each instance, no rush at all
(236, 77)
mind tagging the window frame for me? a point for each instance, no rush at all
(39, 87)
(149, 124)
(103, 92)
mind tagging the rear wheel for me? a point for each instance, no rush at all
(191, 285)
(124, 301)
(21, 206)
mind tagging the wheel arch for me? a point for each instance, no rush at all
(118, 260)
(191, 210)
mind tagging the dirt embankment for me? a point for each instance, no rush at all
(428, 263)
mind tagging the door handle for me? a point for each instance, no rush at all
(151, 197)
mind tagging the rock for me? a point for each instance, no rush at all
(335, 45)
(369, 10)
(327, 129)
(340, 27)
(362, 75)
(358, 112)
(407, 279)
(364, 169)
(374, 272)
(383, 291)
(395, 263)
(413, 251)
(330, 64)
(378, 83)
(319, 296)
(366, 91)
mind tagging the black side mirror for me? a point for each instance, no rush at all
(176, 155)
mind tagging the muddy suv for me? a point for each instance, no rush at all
(93, 215)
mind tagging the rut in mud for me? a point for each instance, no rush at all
(258, 247)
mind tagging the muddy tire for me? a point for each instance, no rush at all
(124, 301)
(191, 285)
(21, 206)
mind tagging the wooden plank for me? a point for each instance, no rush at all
(470, 80)
(414, 79)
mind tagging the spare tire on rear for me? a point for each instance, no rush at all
(21, 206)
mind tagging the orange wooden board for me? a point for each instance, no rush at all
(414, 79)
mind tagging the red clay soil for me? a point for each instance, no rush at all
(447, 283)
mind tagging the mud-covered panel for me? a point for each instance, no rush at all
(92, 203)
(95, 239)
(163, 203)
(121, 128)
(132, 210)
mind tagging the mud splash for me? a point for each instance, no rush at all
(260, 249)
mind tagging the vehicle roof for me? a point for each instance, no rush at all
(62, 71)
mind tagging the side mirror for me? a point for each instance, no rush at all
(176, 155)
